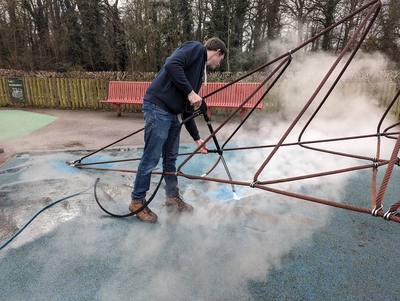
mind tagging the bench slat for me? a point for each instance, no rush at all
(232, 96)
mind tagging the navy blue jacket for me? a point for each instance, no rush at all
(182, 72)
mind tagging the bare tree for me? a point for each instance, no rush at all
(301, 12)
(138, 35)
(386, 34)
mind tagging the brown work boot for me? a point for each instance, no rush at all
(146, 215)
(177, 204)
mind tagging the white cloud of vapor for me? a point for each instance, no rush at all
(214, 253)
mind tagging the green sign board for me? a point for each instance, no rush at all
(16, 89)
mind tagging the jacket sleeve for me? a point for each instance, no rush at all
(191, 126)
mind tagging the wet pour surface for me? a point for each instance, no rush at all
(260, 247)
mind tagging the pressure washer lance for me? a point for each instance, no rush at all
(203, 109)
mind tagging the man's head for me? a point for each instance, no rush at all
(216, 52)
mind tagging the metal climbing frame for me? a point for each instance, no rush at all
(371, 10)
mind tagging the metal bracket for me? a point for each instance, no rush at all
(375, 211)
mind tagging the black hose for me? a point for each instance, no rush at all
(37, 213)
(169, 151)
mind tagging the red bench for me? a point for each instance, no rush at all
(120, 92)
(125, 93)
(232, 96)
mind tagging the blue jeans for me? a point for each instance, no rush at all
(161, 138)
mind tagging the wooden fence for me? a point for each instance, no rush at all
(76, 93)
(64, 93)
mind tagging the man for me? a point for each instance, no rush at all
(172, 92)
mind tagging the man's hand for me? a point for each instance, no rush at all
(204, 149)
(195, 99)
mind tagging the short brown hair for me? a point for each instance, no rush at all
(215, 44)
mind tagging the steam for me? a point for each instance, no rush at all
(214, 253)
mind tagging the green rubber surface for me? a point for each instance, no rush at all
(15, 124)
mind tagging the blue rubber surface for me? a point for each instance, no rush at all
(261, 247)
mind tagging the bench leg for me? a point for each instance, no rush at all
(118, 110)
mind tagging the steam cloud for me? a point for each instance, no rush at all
(215, 253)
